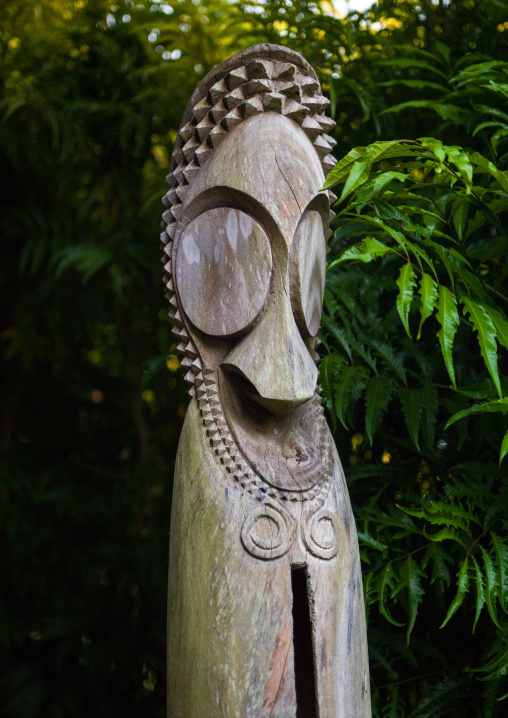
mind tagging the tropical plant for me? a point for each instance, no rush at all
(415, 334)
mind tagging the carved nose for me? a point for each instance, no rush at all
(275, 360)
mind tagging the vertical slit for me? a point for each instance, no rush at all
(305, 685)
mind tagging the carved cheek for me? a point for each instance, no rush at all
(223, 269)
(307, 272)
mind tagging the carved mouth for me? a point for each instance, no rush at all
(243, 384)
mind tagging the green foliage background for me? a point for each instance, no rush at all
(414, 338)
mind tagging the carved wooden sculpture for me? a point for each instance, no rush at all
(266, 614)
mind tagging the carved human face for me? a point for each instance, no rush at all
(249, 260)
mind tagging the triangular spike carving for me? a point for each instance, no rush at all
(323, 102)
(178, 154)
(170, 231)
(176, 210)
(326, 122)
(259, 69)
(252, 107)
(284, 71)
(218, 112)
(190, 147)
(309, 84)
(191, 170)
(322, 146)
(179, 171)
(231, 120)
(199, 380)
(167, 216)
(332, 197)
(295, 111)
(202, 154)
(236, 77)
(217, 135)
(187, 131)
(182, 187)
(166, 201)
(204, 127)
(328, 163)
(313, 103)
(311, 128)
(256, 87)
(176, 316)
(190, 350)
(273, 101)
(218, 91)
(234, 99)
(329, 140)
(196, 365)
(189, 378)
(171, 195)
(201, 109)
(292, 89)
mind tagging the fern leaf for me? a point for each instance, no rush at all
(406, 284)
(444, 535)
(411, 578)
(480, 592)
(491, 586)
(437, 512)
(350, 382)
(337, 333)
(327, 372)
(391, 359)
(483, 325)
(385, 582)
(462, 589)
(500, 324)
(488, 407)
(432, 704)
(504, 448)
(439, 557)
(428, 293)
(448, 317)
(501, 554)
(412, 407)
(379, 392)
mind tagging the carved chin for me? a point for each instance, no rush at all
(291, 452)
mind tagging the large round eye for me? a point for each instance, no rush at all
(307, 272)
(223, 269)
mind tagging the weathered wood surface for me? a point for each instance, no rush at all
(265, 612)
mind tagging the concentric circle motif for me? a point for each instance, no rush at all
(321, 534)
(267, 533)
